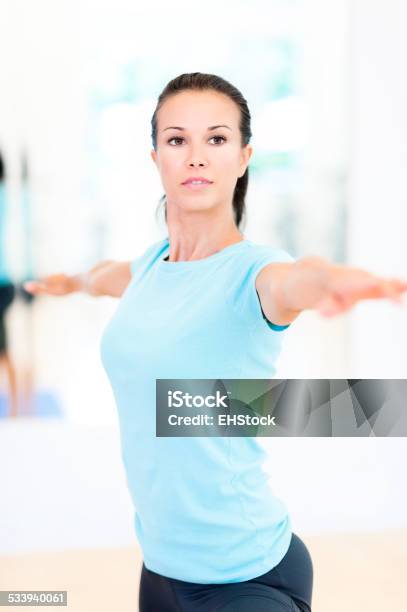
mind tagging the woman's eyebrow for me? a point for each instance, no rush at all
(213, 127)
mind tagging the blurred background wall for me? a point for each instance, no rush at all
(79, 81)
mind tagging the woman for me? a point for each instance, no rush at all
(205, 302)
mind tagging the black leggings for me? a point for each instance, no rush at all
(7, 293)
(285, 588)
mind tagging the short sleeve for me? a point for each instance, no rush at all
(266, 256)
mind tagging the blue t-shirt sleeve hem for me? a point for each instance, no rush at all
(276, 327)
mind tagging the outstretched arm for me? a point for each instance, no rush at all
(106, 278)
(286, 289)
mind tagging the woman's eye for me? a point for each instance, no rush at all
(212, 137)
(175, 138)
(222, 137)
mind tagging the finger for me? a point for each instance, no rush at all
(399, 285)
(393, 290)
(382, 289)
(338, 303)
(34, 286)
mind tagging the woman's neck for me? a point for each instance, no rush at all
(186, 244)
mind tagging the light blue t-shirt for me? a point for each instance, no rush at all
(204, 510)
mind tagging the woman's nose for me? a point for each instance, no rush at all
(197, 163)
(196, 156)
(196, 160)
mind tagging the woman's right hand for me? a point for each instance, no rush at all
(107, 277)
(54, 284)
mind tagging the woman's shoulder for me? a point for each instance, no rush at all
(259, 253)
(149, 255)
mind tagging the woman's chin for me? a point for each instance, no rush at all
(192, 205)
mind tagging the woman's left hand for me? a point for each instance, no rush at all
(345, 286)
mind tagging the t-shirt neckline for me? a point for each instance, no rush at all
(197, 263)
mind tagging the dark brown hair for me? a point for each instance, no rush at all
(198, 81)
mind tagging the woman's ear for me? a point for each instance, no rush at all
(153, 154)
(246, 154)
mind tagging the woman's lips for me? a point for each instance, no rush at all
(196, 186)
(193, 184)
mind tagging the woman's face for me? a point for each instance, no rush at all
(196, 150)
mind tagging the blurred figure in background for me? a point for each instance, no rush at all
(27, 366)
(7, 292)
